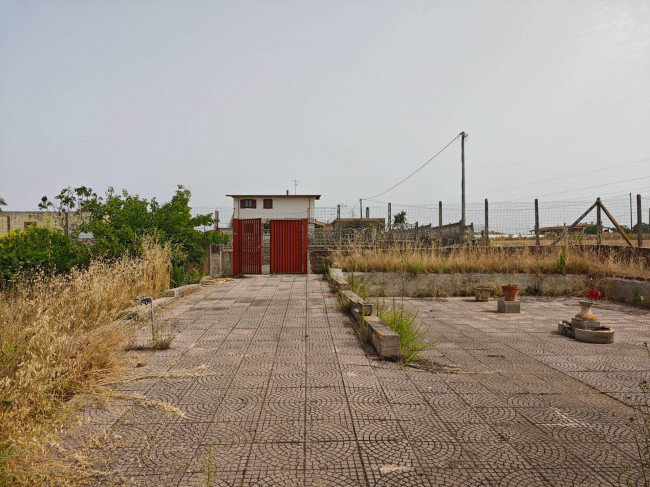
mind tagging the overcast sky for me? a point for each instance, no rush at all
(348, 97)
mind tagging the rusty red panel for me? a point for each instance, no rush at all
(247, 246)
(289, 246)
(236, 246)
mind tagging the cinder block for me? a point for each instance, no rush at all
(504, 306)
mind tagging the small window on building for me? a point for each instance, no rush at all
(248, 203)
(268, 203)
(27, 225)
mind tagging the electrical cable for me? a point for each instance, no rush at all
(581, 189)
(562, 177)
(416, 171)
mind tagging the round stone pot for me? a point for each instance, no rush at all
(482, 293)
(510, 292)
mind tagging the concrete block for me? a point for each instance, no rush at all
(357, 307)
(504, 306)
(383, 338)
(177, 292)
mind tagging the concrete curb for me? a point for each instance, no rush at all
(384, 339)
(167, 298)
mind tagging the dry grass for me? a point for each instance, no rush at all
(58, 336)
(579, 260)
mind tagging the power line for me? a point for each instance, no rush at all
(563, 177)
(582, 189)
(416, 171)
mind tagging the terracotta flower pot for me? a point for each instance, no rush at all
(510, 292)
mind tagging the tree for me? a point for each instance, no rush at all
(78, 200)
(120, 221)
(2, 202)
(399, 220)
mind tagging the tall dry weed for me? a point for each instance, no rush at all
(59, 334)
(410, 258)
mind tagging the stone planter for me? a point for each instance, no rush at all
(510, 292)
(598, 335)
(482, 293)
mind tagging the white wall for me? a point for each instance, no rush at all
(292, 207)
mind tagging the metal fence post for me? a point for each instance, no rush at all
(599, 224)
(338, 226)
(440, 221)
(537, 241)
(639, 222)
(486, 231)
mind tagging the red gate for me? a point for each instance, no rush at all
(289, 244)
(247, 246)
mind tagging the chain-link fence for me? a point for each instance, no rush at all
(507, 222)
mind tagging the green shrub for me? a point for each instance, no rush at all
(39, 248)
(180, 276)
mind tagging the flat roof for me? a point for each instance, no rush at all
(315, 196)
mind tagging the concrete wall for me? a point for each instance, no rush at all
(284, 207)
(633, 291)
(18, 220)
(408, 284)
(219, 261)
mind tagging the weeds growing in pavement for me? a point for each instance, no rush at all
(404, 323)
(208, 468)
(59, 335)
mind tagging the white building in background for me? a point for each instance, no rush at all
(275, 206)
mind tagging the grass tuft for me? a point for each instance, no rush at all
(404, 323)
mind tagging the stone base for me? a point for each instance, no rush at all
(585, 324)
(504, 306)
(594, 336)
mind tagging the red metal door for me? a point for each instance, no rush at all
(247, 246)
(289, 245)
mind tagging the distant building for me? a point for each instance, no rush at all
(275, 207)
(352, 223)
(579, 228)
(20, 220)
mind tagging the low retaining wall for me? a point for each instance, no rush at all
(408, 284)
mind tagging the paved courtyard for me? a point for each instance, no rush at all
(277, 390)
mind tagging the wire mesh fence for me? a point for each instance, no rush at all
(507, 221)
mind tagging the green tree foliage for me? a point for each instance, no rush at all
(3, 202)
(38, 248)
(399, 220)
(591, 230)
(645, 228)
(120, 221)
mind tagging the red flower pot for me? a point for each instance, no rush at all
(510, 292)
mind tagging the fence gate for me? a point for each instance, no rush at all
(289, 244)
(247, 246)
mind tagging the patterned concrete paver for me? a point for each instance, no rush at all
(293, 398)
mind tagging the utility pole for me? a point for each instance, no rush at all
(295, 186)
(463, 136)
(360, 208)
